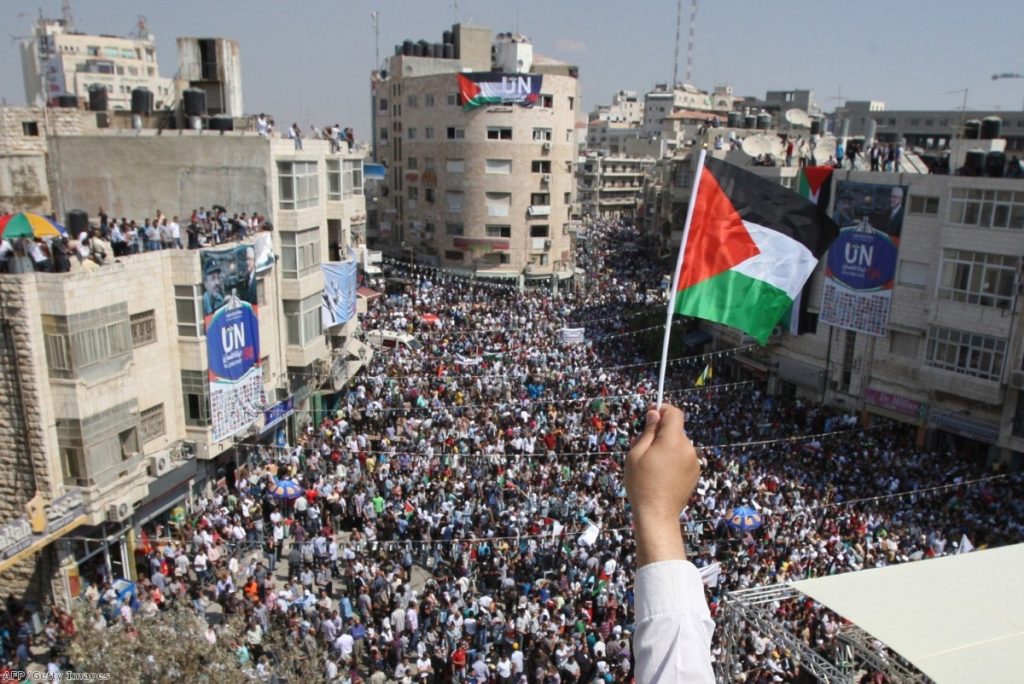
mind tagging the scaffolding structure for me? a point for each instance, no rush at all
(856, 651)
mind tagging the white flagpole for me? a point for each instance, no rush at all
(670, 309)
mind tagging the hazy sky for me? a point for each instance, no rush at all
(309, 59)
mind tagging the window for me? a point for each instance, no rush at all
(412, 101)
(980, 356)
(498, 166)
(411, 132)
(540, 199)
(927, 206)
(143, 328)
(428, 132)
(428, 163)
(568, 135)
(453, 100)
(547, 101)
(351, 178)
(298, 184)
(454, 200)
(904, 344)
(303, 320)
(383, 136)
(987, 208)
(497, 258)
(913, 274)
(128, 440)
(455, 166)
(540, 166)
(412, 192)
(151, 423)
(498, 203)
(333, 180)
(539, 259)
(195, 390)
(412, 164)
(453, 255)
(456, 229)
(499, 133)
(428, 194)
(300, 253)
(188, 308)
(572, 103)
(542, 134)
(456, 133)
(261, 292)
(382, 104)
(428, 100)
(540, 231)
(30, 129)
(977, 278)
(498, 231)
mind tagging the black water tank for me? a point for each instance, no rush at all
(448, 37)
(424, 48)
(972, 129)
(193, 101)
(735, 120)
(815, 126)
(750, 121)
(407, 46)
(221, 122)
(974, 163)
(78, 221)
(98, 100)
(437, 50)
(142, 101)
(764, 121)
(66, 101)
(417, 51)
(995, 164)
(991, 126)
(449, 51)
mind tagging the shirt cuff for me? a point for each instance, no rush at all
(665, 587)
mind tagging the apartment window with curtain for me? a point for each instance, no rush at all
(303, 320)
(300, 253)
(298, 184)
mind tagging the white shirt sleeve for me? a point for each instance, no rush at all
(673, 625)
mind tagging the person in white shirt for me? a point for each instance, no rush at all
(672, 642)
(175, 230)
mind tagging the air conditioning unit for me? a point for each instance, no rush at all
(546, 178)
(120, 511)
(1017, 380)
(547, 147)
(159, 464)
(547, 244)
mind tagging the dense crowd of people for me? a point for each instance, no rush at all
(460, 515)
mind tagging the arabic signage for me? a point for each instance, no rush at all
(277, 413)
(895, 403)
(18, 535)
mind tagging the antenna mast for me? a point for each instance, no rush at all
(375, 22)
(689, 45)
(675, 61)
(65, 11)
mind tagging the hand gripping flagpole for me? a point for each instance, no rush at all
(670, 309)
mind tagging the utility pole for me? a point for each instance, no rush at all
(375, 22)
(675, 60)
(689, 44)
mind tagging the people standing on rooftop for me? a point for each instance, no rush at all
(296, 135)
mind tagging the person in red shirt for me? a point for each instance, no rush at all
(459, 660)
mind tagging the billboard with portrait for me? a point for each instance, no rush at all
(339, 295)
(230, 311)
(860, 267)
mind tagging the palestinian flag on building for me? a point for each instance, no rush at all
(487, 88)
(815, 184)
(748, 248)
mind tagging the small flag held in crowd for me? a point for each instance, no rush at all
(704, 377)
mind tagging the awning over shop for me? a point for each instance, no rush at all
(964, 426)
(367, 293)
(750, 364)
(696, 339)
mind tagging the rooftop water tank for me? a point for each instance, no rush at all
(972, 129)
(974, 163)
(735, 120)
(98, 100)
(991, 127)
(764, 121)
(66, 101)
(78, 221)
(193, 101)
(142, 101)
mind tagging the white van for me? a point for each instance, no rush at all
(388, 339)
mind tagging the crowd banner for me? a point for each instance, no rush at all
(232, 339)
(339, 296)
(860, 269)
(573, 335)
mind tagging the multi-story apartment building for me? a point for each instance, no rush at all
(485, 189)
(612, 187)
(111, 430)
(663, 101)
(58, 61)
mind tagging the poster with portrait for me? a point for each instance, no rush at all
(339, 296)
(860, 267)
(230, 311)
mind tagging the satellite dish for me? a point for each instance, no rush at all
(798, 117)
(825, 148)
(757, 145)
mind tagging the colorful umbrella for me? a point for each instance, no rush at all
(286, 489)
(744, 518)
(26, 225)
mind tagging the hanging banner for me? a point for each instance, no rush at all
(572, 335)
(339, 296)
(485, 88)
(860, 268)
(232, 339)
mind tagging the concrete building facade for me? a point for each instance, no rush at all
(111, 363)
(612, 187)
(213, 65)
(488, 190)
(58, 61)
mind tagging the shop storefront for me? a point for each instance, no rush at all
(879, 404)
(957, 432)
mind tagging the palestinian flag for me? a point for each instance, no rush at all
(815, 184)
(748, 248)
